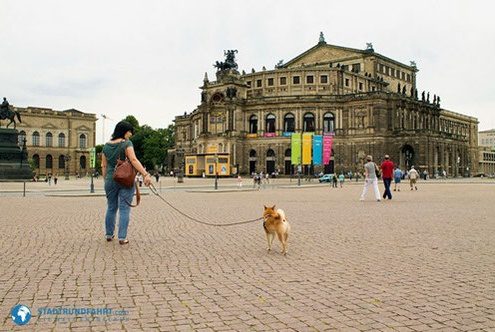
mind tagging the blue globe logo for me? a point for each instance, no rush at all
(20, 314)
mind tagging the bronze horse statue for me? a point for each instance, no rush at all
(7, 113)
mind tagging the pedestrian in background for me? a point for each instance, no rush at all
(387, 167)
(397, 178)
(118, 196)
(341, 179)
(413, 176)
(370, 178)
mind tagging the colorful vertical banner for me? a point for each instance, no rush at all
(327, 148)
(317, 149)
(295, 147)
(306, 148)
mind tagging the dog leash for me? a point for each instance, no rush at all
(155, 192)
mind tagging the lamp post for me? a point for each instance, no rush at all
(67, 159)
(180, 156)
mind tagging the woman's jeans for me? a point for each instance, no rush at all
(117, 199)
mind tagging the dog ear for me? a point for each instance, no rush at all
(273, 207)
(264, 207)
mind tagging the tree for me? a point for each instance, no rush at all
(151, 145)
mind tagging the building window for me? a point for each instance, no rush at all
(253, 124)
(61, 140)
(61, 162)
(82, 141)
(283, 80)
(403, 76)
(310, 79)
(309, 122)
(392, 72)
(356, 68)
(289, 123)
(409, 77)
(323, 79)
(248, 84)
(345, 67)
(296, 80)
(382, 68)
(270, 82)
(258, 83)
(36, 161)
(21, 137)
(49, 162)
(36, 139)
(346, 82)
(360, 86)
(270, 123)
(328, 123)
(82, 162)
(49, 139)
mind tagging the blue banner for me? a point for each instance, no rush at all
(317, 149)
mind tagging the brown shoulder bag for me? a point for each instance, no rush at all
(125, 174)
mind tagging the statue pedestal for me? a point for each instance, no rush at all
(14, 164)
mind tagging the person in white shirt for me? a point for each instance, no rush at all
(413, 176)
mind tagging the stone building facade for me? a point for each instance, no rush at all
(369, 102)
(58, 142)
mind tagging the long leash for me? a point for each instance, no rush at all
(154, 191)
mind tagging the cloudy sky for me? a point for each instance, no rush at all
(148, 58)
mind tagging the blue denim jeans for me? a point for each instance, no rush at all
(117, 196)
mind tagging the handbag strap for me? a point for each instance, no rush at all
(122, 149)
(138, 196)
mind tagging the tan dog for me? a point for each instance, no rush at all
(276, 222)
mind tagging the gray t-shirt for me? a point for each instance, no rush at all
(370, 167)
(112, 152)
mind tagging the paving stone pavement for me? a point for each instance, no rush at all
(421, 262)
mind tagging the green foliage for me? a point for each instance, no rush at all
(151, 145)
(98, 149)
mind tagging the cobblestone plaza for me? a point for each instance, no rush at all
(421, 262)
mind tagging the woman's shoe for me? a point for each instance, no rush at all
(123, 241)
(110, 238)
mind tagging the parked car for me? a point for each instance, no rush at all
(326, 178)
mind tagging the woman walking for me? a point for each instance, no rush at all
(370, 178)
(119, 197)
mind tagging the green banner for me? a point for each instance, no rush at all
(295, 148)
(92, 158)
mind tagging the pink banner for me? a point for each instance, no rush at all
(270, 134)
(327, 148)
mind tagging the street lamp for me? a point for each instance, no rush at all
(180, 156)
(67, 159)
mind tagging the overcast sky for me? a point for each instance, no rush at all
(148, 58)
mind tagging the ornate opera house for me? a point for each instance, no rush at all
(369, 102)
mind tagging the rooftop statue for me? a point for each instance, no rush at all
(229, 61)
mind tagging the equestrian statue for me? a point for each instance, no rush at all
(7, 113)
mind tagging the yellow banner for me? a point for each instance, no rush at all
(306, 148)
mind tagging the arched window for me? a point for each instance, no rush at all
(61, 162)
(288, 152)
(309, 122)
(270, 123)
(270, 153)
(253, 124)
(82, 141)
(49, 162)
(21, 137)
(82, 162)
(252, 154)
(49, 139)
(328, 123)
(36, 161)
(289, 123)
(36, 139)
(61, 140)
